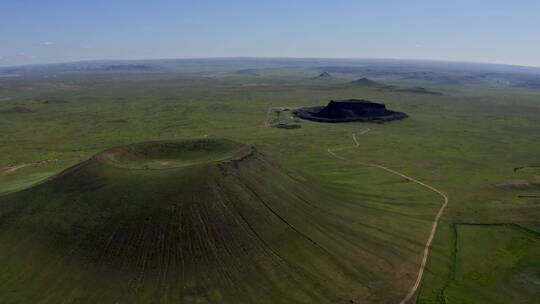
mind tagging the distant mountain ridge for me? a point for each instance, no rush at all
(440, 72)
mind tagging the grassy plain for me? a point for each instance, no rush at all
(372, 225)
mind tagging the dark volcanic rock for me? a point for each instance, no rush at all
(350, 110)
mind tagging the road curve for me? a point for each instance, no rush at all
(427, 247)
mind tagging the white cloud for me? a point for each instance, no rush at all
(46, 43)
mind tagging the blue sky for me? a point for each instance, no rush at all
(43, 31)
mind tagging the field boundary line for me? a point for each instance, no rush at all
(454, 225)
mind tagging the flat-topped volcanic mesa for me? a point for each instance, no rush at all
(350, 110)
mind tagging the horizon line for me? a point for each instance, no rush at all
(273, 58)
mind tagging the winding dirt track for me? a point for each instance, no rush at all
(427, 247)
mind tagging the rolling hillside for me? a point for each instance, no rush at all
(199, 221)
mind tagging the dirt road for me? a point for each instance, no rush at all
(427, 246)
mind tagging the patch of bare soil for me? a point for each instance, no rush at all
(519, 184)
(12, 169)
(514, 185)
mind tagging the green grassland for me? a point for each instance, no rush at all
(290, 224)
(494, 259)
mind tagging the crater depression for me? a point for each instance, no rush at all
(164, 154)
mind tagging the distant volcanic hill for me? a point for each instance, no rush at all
(350, 110)
(365, 82)
(323, 75)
